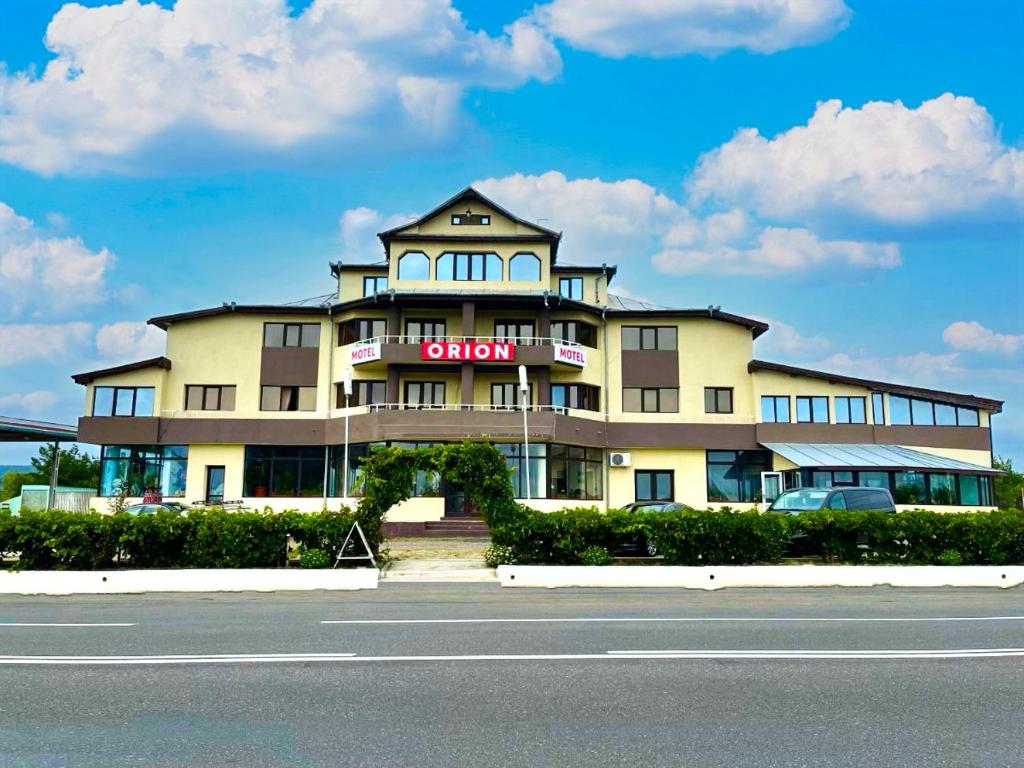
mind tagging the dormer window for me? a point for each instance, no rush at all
(469, 218)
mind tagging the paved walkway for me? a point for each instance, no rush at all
(438, 560)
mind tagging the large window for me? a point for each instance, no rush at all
(425, 330)
(143, 468)
(574, 330)
(516, 463)
(775, 408)
(364, 392)
(508, 395)
(287, 398)
(469, 266)
(653, 485)
(717, 399)
(736, 475)
(207, 397)
(571, 287)
(361, 329)
(374, 285)
(877, 408)
(122, 401)
(521, 332)
(282, 470)
(574, 472)
(908, 487)
(413, 266)
(650, 400)
(906, 410)
(582, 396)
(648, 337)
(851, 410)
(291, 334)
(524, 267)
(812, 409)
(424, 394)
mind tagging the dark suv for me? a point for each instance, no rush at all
(860, 498)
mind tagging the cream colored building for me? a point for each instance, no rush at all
(626, 402)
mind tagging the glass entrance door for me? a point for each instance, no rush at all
(214, 486)
(771, 487)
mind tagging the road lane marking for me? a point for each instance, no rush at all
(695, 619)
(63, 625)
(280, 658)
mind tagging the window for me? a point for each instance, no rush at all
(967, 417)
(203, 397)
(520, 332)
(364, 392)
(424, 394)
(425, 330)
(469, 266)
(941, 488)
(874, 479)
(122, 401)
(653, 485)
(899, 410)
(909, 488)
(812, 409)
(922, 412)
(574, 472)
(648, 337)
(571, 287)
(524, 267)
(851, 410)
(736, 475)
(361, 330)
(414, 265)
(775, 408)
(905, 410)
(142, 468)
(575, 330)
(288, 399)
(877, 408)
(284, 471)
(374, 285)
(476, 219)
(945, 415)
(582, 396)
(516, 462)
(717, 399)
(291, 334)
(508, 395)
(650, 400)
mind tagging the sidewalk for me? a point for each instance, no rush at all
(438, 560)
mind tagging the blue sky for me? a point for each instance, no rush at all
(172, 159)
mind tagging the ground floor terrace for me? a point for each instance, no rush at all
(546, 475)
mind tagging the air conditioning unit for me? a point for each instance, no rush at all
(619, 459)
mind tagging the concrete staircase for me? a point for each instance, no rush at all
(457, 528)
(447, 570)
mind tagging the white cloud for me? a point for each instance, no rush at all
(132, 79)
(28, 403)
(42, 342)
(49, 273)
(884, 161)
(919, 369)
(785, 340)
(128, 341)
(359, 228)
(972, 336)
(664, 28)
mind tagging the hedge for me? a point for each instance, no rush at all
(206, 538)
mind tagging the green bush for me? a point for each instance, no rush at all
(595, 556)
(314, 558)
(496, 555)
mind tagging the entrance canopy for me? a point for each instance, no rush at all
(869, 456)
(27, 431)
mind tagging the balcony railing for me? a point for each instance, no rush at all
(519, 341)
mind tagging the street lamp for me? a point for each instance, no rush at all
(524, 396)
(347, 388)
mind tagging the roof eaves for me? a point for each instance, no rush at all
(90, 376)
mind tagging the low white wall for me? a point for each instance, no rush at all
(712, 577)
(185, 580)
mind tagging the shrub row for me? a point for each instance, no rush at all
(208, 538)
(728, 537)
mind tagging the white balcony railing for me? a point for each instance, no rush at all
(519, 341)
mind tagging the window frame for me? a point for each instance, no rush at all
(775, 409)
(878, 409)
(407, 254)
(657, 338)
(512, 261)
(433, 384)
(518, 340)
(204, 389)
(571, 282)
(114, 389)
(591, 390)
(280, 398)
(475, 219)
(355, 325)
(360, 386)
(286, 329)
(718, 391)
(503, 387)
(643, 398)
(810, 409)
(375, 280)
(653, 485)
(470, 271)
(848, 399)
(424, 321)
(579, 325)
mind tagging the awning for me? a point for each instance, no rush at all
(25, 430)
(869, 456)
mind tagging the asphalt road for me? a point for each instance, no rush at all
(453, 675)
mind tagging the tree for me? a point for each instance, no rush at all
(77, 468)
(1008, 487)
(10, 486)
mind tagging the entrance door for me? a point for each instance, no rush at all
(214, 486)
(771, 487)
(456, 502)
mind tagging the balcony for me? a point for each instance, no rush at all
(479, 350)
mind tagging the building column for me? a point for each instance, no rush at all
(543, 385)
(466, 381)
(394, 321)
(544, 323)
(393, 395)
(468, 318)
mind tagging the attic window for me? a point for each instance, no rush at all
(467, 218)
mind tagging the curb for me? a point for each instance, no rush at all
(191, 580)
(712, 578)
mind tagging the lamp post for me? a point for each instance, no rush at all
(347, 385)
(524, 396)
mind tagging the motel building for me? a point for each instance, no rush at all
(625, 402)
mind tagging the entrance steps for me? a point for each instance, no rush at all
(457, 527)
(447, 570)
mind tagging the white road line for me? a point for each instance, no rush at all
(762, 655)
(696, 620)
(60, 624)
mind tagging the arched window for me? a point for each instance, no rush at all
(413, 266)
(525, 267)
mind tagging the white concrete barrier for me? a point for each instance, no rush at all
(185, 580)
(720, 577)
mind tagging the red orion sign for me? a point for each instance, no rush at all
(472, 351)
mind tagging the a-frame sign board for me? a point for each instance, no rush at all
(366, 547)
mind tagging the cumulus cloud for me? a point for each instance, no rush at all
(359, 228)
(920, 368)
(664, 28)
(972, 336)
(50, 342)
(131, 78)
(884, 161)
(39, 270)
(785, 340)
(129, 341)
(28, 403)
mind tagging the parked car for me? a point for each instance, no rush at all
(860, 498)
(641, 547)
(154, 507)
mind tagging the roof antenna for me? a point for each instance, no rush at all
(712, 309)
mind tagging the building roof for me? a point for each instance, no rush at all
(868, 456)
(153, 362)
(14, 430)
(165, 321)
(971, 401)
(757, 327)
(608, 269)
